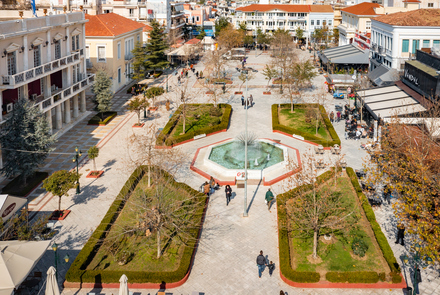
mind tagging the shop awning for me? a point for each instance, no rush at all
(382, 75)
(390, 101)
(346, 54)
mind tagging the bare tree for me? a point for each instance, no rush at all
(230, 37)
(216, 63)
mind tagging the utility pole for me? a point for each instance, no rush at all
(245, 212)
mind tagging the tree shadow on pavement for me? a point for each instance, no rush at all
(107, 165)
(88, 193)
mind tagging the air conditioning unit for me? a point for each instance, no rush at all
(34, 96)
(9, 107)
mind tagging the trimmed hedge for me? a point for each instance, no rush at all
(283, 238)
(369, 277)
(78, 271)
(96, 119)
(290, 130)
(164, 137)
(380, 237)
(351, 277)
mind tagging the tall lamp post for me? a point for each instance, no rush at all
(168, 75)
(76, 159)
(416, 260)
(245, 212)
(66, 258)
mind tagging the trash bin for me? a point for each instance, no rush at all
(407, 291)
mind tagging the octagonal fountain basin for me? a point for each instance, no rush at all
(267, 161)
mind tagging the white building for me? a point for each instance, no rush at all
(394, 37)
(43, 59)
(270, 17)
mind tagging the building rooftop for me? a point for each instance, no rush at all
(286, 8)
(364, 8)
(415, 18)
(110, 24)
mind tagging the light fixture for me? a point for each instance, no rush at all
(54, 41)
(47, 42)
(32, 47)
(5, 52)
(54, 246)
(66, 258)
(22, 49)
(65, 38)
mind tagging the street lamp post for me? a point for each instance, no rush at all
(66, 258)
(245, 212)
(76, 159)
(168, 76)
(416, 260)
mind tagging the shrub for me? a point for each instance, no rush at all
(290, 130)
(78, 271)
(369, 277)
(359, 246)
(96, 119)
(164, 136)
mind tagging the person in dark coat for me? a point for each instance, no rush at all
(271, 267)
(242, 100)
(400, 234)
(332, 117)
(228, 192)
(261, 263)
(251, 100)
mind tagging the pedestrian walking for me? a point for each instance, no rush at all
(400, 234)
(206, 189)
(251, 100)
(261, 263)
(271, 267)
(269, 198)
(387, 194)
(332, 117)
(242, 100)
(197, 74)
(338, 116)
(212, 184)
(186, 74)
(228, 192)
(178, 80)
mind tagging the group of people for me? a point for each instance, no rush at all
(262, 263)
(249, 102)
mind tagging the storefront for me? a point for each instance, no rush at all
(346, 57)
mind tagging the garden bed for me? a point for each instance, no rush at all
(200, 119)
(220, 80)
(295, 123)
(98, 264)
(97, 119)
(338, 262)
(95, 174)
(17, 188)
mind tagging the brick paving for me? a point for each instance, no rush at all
(225, 259)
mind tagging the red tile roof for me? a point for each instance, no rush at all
(411, 1)
(414, 18)
(193, 41)
(286, 8)
(364, 8)
(147, 28)
(110, 24)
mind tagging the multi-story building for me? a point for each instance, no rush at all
(43, 59)
(356, 19)
(109, 46)
(395, 37)
(270, 17)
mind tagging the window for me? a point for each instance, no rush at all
(101, 53)
(415, 45)
(318, 22)
(426, 43)
(57, 50)
(430, 5)
(74, 75)
(138, 38)
(436, 43)
(197, 18)
(75, 42)
(119, 50)
(329, 22)
(12, 63)
(368, 25)
(78, 73)
(37, 56)
(312, 22)
(405, 45)
(131, 12)
(119, 75)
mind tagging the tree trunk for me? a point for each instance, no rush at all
(149, 175)
(94, 164)
(139, 117)
(159, 252)
(184, 118)
(291, 105)
(59, 203)
(317, 119)
(315, 244)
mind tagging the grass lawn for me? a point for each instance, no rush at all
(297, 120)
(143, 248)
(337, 254)
(197, 117)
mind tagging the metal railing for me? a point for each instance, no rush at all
(129, 56)
(35, 72)
(65, 93)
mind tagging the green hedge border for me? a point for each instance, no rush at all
(290, 130)
(96, 119)
(78, 272)
(164, 136)
(335, 277)
(380, 237)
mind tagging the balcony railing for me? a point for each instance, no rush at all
(128, 56)
(381, 50)
(36, 72)
(65, 93)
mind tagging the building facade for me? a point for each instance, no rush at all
(43, 59)
(395, 37)
(270, 17)
(109, 47)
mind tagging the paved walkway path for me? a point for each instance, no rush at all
(225, 259)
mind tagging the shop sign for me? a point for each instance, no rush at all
(411, 78)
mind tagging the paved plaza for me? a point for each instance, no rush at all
(229, 244)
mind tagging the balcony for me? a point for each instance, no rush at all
(178, 25)
(381, 50)
(177, 13)
(89, 64)
(374, 47)
(129, 56)
(19, 79)
(63, 94)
